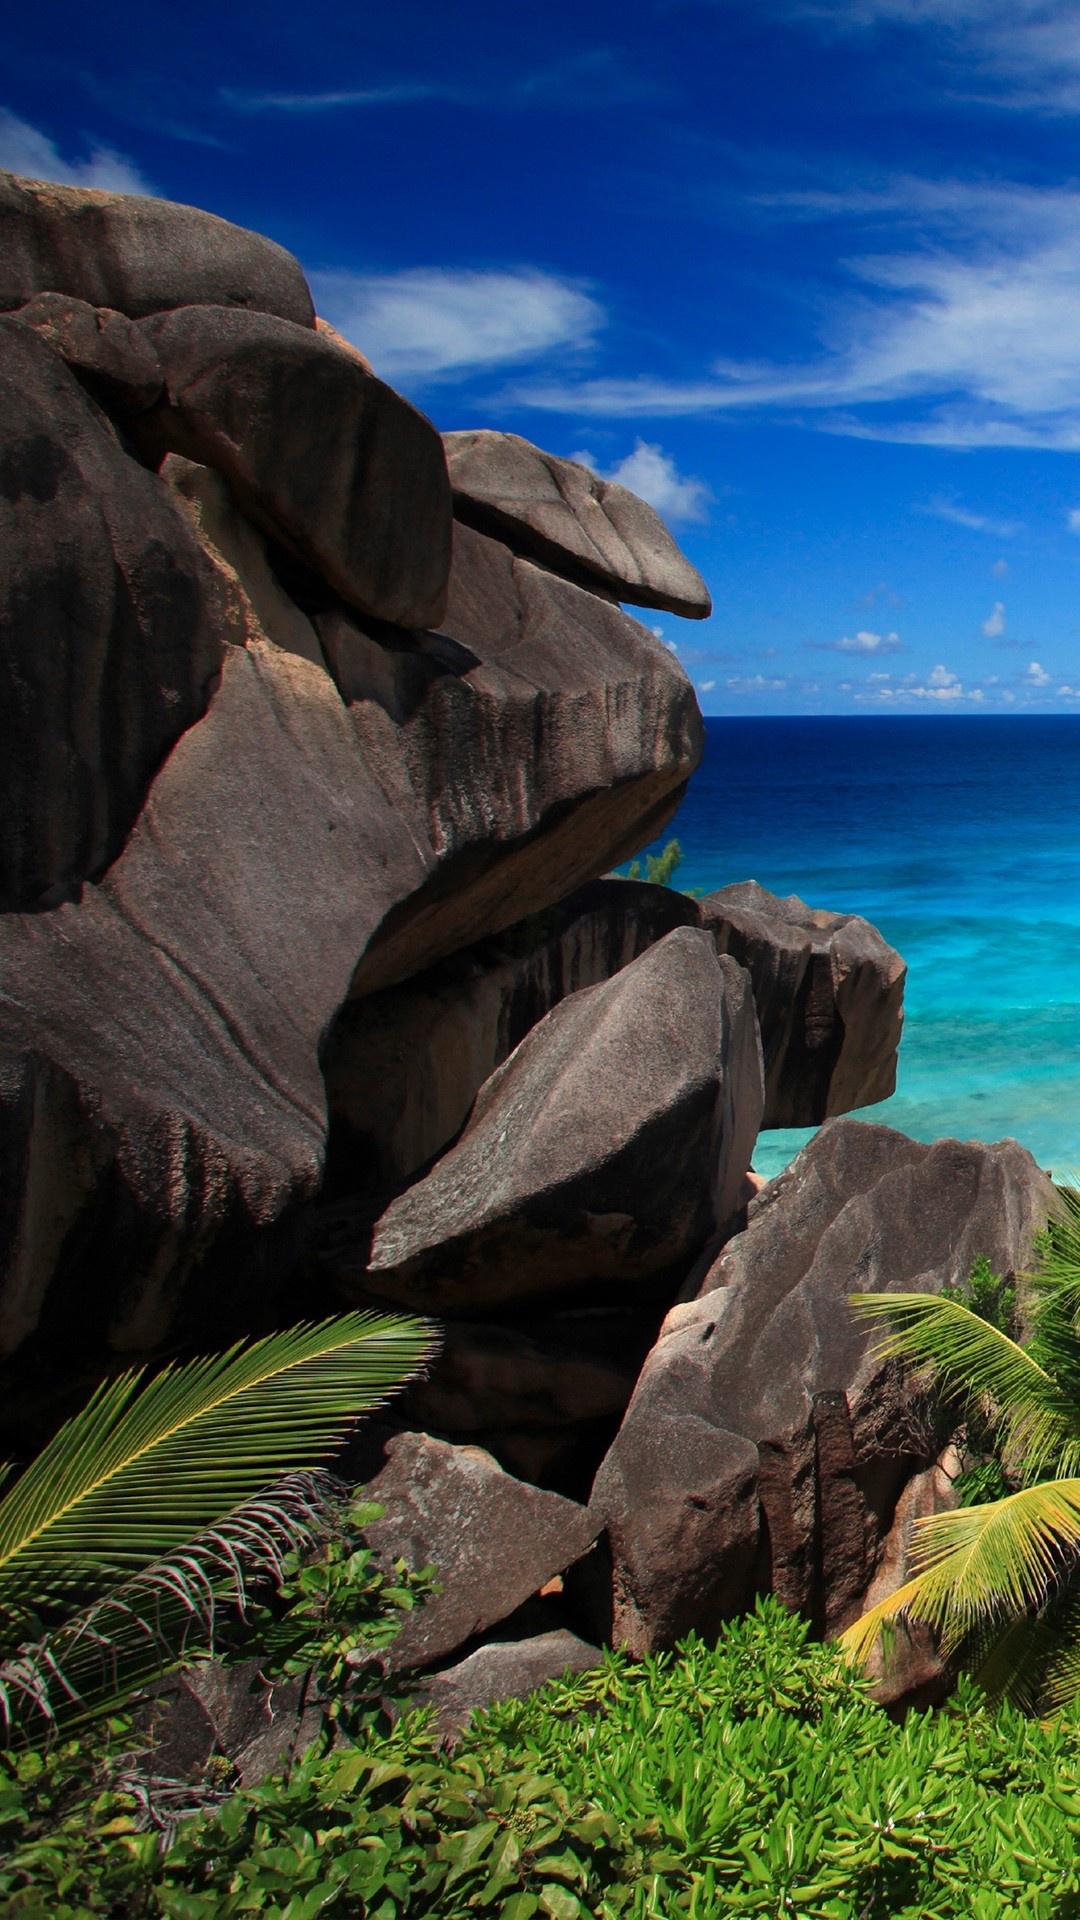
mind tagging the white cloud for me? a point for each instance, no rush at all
(960, 516)
(941, 677)
(25, 149)
(706, 685)
(755, 683)
(864, 642)
(965, 333)
(1037, 676)
(995, 623)
(1000, 568)
(1026, 52)
(652, 473)
(439, 321)
(1074, 520)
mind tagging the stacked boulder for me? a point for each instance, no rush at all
(321, 735)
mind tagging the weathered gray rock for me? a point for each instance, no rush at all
(492, 1540)
(329, 461)
(138, 254)
(830, 997)
(605, 1150)
(404, 1066)
(766, 1445)
(554, 1375)
(502, 1670)
(104, 348)
(111, 627)
(561, 514)
(542, 737)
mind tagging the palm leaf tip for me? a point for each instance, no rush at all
(151, 1462)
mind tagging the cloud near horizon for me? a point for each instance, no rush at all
(25, 149)
(437, 322)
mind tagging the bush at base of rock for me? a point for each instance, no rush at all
(756, 1778)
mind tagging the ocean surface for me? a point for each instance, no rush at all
(959, 838)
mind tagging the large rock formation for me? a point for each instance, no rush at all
(829, 995)
(566, 517)
(234, 795)
(766, 1444)
(604, 1151)
(138, 254)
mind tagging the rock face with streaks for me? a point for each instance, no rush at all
(602, 1153)
(564, 516)
(766, 1445)
(404, 1066)
(275, 739)
(829, 994)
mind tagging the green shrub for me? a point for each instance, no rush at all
(659, 867)
(756, 1778)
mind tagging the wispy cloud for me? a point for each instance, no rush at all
(967, 335)
(994, 626)
(862, 642)
(1023, 55)
(26, 149)
(653, 475)
(334, 97)
(940, 508)
(593, 77)
(436, 322)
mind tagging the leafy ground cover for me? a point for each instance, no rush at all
(754, 1778)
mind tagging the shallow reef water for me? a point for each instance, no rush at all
(959, 837)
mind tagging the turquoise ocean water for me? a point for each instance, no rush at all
(960, 839)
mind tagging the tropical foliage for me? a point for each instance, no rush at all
(660, 867)
(150, 1510)
(756, 1778)
(999, 1578)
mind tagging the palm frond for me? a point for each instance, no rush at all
(969, 1355)
(153, 1461)
(978, 1566)
(169, 1614)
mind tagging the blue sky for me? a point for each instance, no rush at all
(806, 275)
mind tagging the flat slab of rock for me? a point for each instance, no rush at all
(830, 998)
(493, 1540)
(331, 462)
(404, 1066)
(112, 622)
(563, 515)
(138, 254)
(502, 1670)
(766, 1445)
(606, 1149)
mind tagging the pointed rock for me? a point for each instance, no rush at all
(564, 516)
(606, 1150)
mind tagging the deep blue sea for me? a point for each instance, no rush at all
(960, 839)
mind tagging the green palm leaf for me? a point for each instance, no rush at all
(968, 1354)
(151, 1462)
(979, 1565)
